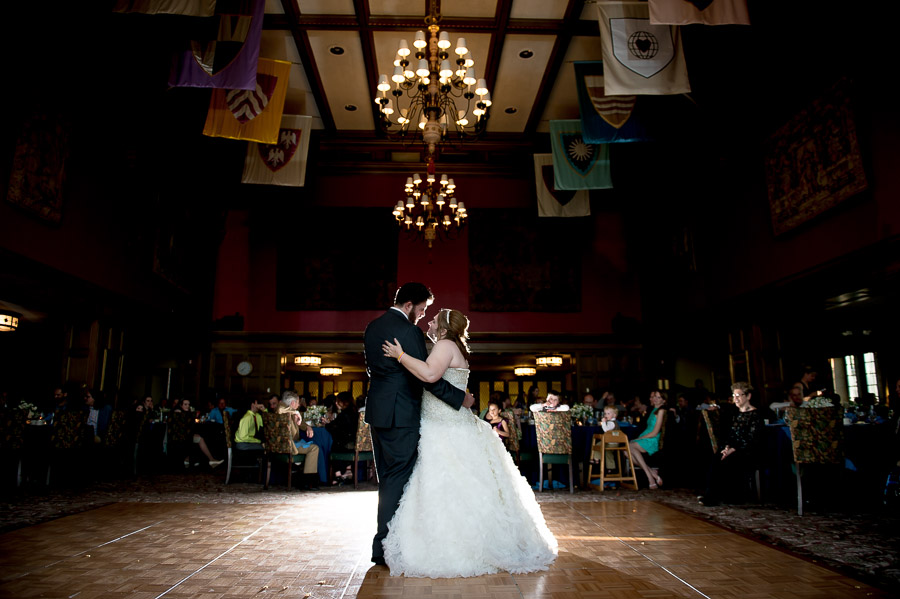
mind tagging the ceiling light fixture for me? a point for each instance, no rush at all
(525, 371)
(9, 321)
(426, 200)
(307, 360)
(331, 371)
(426, 90)
(549, 360)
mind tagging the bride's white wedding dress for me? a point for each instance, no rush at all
(466, 509)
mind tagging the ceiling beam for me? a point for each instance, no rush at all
(367, 41)
(572, 17)
(301, 41)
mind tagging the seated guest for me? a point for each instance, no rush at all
(795, 399)
(648, 442)
(290, 401)
(215, 415)
(551, 404)
(609, 422)
(183, 410)
(345, 421)
(497, 422)
(274, 400)
(637, 409)
(742, 433)
(97, 417)
(249, 432)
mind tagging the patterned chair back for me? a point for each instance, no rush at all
(277, 434)
(708, 418)
(12, 429)
(180, 427)
(69, 430)
(512, 442)
(118, 424)
(554, 432)
(229, 434)
(816, 435)
(363, 438)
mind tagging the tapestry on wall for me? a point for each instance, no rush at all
(521, 263)
(327, 260)
(39, 166)
(813, 161)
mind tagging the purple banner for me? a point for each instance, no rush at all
(227, 57)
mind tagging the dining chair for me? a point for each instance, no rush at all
(554, 438)
(711, 428)
(12, 438)
(816, 438)
(279, 445)
(515, 433)
(70, 435)
(362, 451)
(240, 458)
(612, 443)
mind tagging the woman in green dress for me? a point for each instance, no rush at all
(648, 443)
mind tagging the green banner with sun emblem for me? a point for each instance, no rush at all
(576, 164)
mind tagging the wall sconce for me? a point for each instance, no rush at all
(331, 371)
(308, 360)
(549, 360)
(9, 321)
(525, 371)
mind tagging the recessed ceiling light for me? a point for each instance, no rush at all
(350, 107)
(511, 110)
(526, 54)
(336, 50)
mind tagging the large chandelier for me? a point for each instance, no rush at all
(431, 206)
(433, 94)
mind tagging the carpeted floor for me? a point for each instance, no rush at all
(864, 545)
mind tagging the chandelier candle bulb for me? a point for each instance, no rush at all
(422, 71)
(451, 184)
(461, 48)
(481, 87)
(383, 84)
(444, 41)
(389, 107)
(404, 48)
(446, 71)
(444, 180)
(398, 74)
(420, 40)
(469, 61)
(469, 79)
(440, 200)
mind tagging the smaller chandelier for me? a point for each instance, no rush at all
(525, 371)
(431, 205)
(9, 321)
(331, 371)
(307, 360)
(549, 360)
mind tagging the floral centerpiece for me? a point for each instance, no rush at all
(581, 413)
(818, 402)
(31, 410)
(314, 415)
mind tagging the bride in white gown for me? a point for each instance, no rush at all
(466, 510)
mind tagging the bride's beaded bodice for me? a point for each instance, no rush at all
(435, 409)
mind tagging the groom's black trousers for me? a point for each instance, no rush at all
(395, 452)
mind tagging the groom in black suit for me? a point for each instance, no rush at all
(394, 401)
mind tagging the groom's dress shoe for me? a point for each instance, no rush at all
(378, 560)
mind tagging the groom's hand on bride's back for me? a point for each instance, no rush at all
(469, 401)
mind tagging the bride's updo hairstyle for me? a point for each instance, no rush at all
(455, 326)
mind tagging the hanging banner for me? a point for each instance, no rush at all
(577, 164)
(554, 202)
(284, 162)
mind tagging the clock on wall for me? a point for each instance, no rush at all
(244, 368)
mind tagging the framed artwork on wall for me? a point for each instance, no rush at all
(813, 161)
(39, 166)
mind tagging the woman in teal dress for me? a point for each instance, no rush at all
(648, 443)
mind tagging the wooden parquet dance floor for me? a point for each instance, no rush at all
(317, 546)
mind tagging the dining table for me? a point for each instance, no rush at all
(867, 460)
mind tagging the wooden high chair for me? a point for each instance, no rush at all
(615, 442)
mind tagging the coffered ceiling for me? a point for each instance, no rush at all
(524, 49)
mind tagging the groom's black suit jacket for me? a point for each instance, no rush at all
(395, 395)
